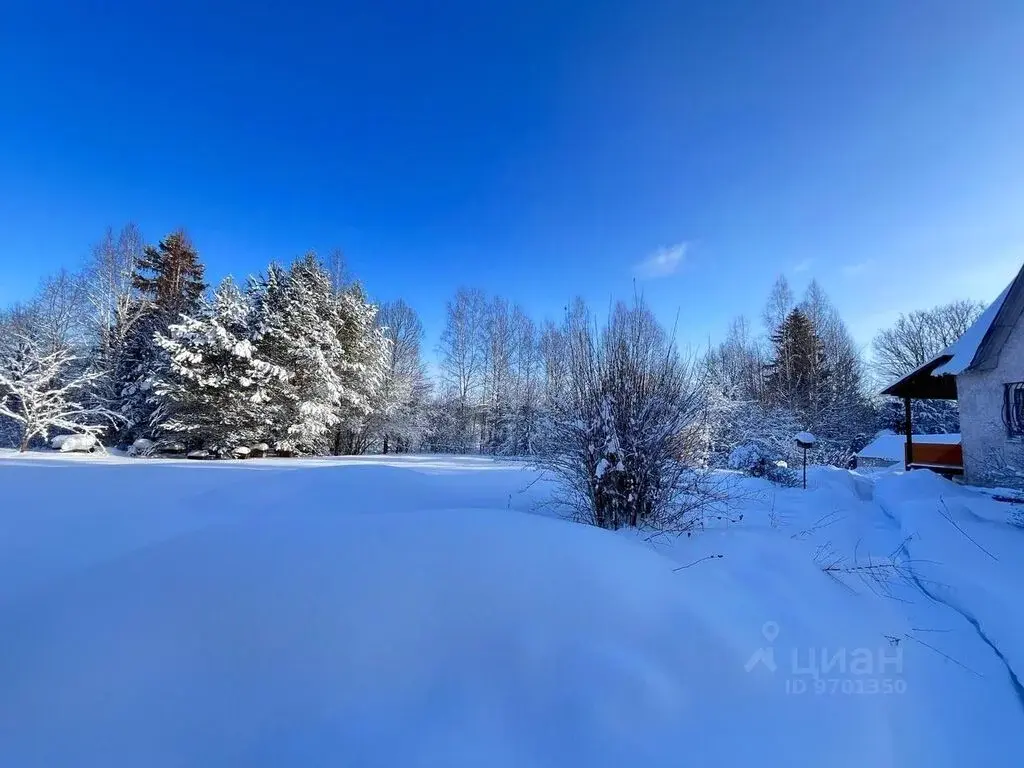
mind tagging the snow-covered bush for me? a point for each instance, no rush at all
(141, 447)
(79, 444)
(58, 441)
(748, 458)
(759, 459)
(619, 436)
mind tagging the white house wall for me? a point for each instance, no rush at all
(991, 457)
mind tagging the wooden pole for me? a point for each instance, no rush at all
(908, 451)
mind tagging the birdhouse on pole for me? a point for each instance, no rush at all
(804, 440)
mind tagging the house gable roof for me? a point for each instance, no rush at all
(1005, 320)
(977, 349)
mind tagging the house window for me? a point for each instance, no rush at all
(1013, 408)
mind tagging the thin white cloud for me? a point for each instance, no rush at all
(663, 262)
(803, 266)
(856, 269)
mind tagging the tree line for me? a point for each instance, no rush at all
(803, 371)
(137, 346)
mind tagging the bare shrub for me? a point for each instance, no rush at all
(621, 437)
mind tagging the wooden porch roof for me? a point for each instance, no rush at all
(977, 349)
(923, 385)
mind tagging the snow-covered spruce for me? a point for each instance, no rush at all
(331, 349)
(215, 390)
(168, 284)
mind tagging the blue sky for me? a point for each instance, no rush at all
(537, 149)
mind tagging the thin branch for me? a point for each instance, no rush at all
(695, 562)
(945, 513)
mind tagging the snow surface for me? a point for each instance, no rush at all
(804, 437)
(890, 446)
(426, 611)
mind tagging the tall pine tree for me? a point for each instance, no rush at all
(797, 372)
(168, 280)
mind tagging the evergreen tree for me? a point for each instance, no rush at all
(294, 329)
(797, 372)
(362, 369)
(168, 279)
(215, 394)
(330, 345)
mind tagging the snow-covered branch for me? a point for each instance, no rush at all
(42, 391)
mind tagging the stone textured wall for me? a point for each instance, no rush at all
(991, 457)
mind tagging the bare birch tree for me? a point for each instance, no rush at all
(398, 417)
(59, 312)
(463, 361)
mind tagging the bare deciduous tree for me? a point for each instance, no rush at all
(780, 302)
(41, 391)
(497, 366)
(552, 347)
(526, 385)
(59, 312)
(108, 278)
(462, 357)
(399, 412)
(917, 337)
(337, 268)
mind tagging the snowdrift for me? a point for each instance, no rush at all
(412, 611)
(310, 635)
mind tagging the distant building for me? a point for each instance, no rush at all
(889, 449)
(984, 371)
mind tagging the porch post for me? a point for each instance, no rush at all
(908, 427)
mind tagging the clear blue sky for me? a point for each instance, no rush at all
(539, 149)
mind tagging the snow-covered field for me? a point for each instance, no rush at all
(428, 611)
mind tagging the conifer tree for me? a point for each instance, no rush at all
(361, 368)
(215, 393)
(295, 327)
(797, 371)
(168, 279)
(170, 276)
